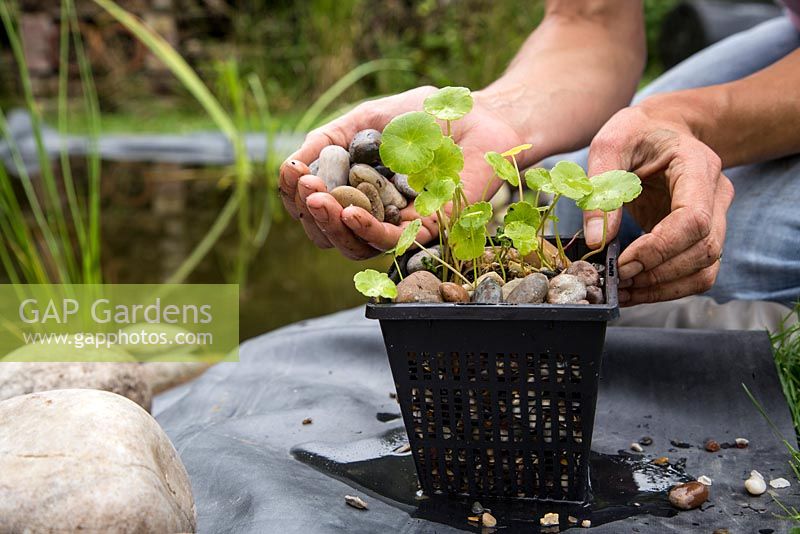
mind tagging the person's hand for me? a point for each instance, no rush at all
(682, 206)
(354, 231)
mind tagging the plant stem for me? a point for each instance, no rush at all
(448, 128)
(561, 253)
(602, 242)
(399, 273)
(486, 188)
(439, 219)
(496, 255)
(519, 178)
(442, 262)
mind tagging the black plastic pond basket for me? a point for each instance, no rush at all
(499, 400)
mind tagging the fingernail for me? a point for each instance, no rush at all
(623, 296)
(629, 270)
(298, 167)
(594, 230)
(625, 283)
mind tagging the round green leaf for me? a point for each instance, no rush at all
(516, 150)
(448, 161)
(407, 237)
(476, 215)
(570, 180)
(449, 103)
(611, 190)
(371, 283)
(503, 168)
(524, 212)
(434, 196)
(539, 179)
(522, 235)
(466, 243)
(408, 142)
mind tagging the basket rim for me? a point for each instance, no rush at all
(510, 312)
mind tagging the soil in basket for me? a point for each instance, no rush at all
(374, 465)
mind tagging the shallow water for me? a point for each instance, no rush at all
(622, 485)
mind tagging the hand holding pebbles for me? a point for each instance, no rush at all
(361, 173)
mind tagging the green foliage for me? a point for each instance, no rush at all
(409, 142)
(570, 180)
(407, 237)
(538, 179)
(610, 190)
(373, 284)
(516, 150)
(435, 195)
(476, 215)
(447, 162)
(522, 235)
(524, 212)
(466, 243)
(449, 103)
(503, 168)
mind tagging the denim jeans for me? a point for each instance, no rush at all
(762, 245)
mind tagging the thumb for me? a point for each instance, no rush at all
(602, 159)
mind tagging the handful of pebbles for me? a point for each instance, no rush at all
(357, 177)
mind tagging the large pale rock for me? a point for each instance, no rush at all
(126, 379)
(87, 460)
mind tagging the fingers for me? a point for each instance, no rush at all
(307, 186)
(290, 172)
(700, 255)
(697, 282)
(593, 226)
(379, 235)
(327, 214)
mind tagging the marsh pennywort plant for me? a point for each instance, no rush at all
(415, 144)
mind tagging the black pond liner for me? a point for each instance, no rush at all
(498, 400)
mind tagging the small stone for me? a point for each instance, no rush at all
(386, 172)
(361, 173)
(572, 520)
(583, 302)
(585, 271)
(680, 444)
(661, 460)
(594, 295)
(488, 292)
(477, 508)
(391, 214)
(307, 421)
(402, 449)
(779, 483)
(646, 441)
(314, 167)
(704, 480)
(334, 166)
(549, 520)
(356, 502)
(376, 206)
(635, 447)
(453, 292)
(565, 289)
(365, 147)
(474, 518)
(488, 520)
(711, 445)
(721, 531)
(350, 196)
(586, 523)
(741, 443)
(493, 275)
(509, 286)
(419, 287)
(688, 496)
(532, 290)
(400, 181)
(418, 261)
(755, 485)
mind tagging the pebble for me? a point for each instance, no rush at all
(417, 261)
(646, 441)
(365, 147)
(635, 447)
(585, 271)
(549, 520)
(493, 275)
(741, 443)
(661, 460)
(566, 289)
(356, 502)
(350, 196)
(711, 445)
(755, 485)
(453, 292)
(374, 200)
(391, 214)
(572, 520)
(360, 173)
(314, 167)
(477, 508)
(586, 523)
(488, 291)
(386, 172)
(594, 295)
(488, 520)
(334, 166)
(704, 480)
(779, 483)
(688, 496)
(307, 421)
(509, 286)
(721, 531)
(420, 286)
(400, 181)
(532, 290)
